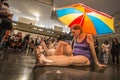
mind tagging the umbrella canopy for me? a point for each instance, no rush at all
(91, 20)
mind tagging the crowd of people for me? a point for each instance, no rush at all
(110, 50)
(23, 43)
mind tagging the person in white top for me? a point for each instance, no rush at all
(106, 50)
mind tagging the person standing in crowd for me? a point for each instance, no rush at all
(1, 3)
(25, 42)
(31, 46)
(5, 19)
(96, 45)
(106, 51)
(81, 55)
(17, 43)
(6, 40)
(37, 41)
(115, 51)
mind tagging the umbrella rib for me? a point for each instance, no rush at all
(82, 19)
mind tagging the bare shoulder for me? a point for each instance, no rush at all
(89, 38)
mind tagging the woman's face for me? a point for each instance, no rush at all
(114, 40)
(75, 33)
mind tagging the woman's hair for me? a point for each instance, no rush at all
(6, 4)
(106, 42)
(77, 27)
(116, 40)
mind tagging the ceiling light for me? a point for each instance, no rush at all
(36, 14)
(37, 18)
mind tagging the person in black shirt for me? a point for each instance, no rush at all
(96, 44)
(115, 49)
(25, 42)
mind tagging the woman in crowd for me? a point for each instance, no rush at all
(80, 54)
(106, 50)
(96, 45)
(115, 50)
(31, 46)
(17, 41)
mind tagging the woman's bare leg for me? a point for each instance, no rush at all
(49, 52)
(40, 58)
(60, 60)
(80, 61)
(63, 47)
(67, 50)
(69, 60)
(59, 49)
(44, 46)
(55, 57)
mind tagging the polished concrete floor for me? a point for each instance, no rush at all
(20, 66)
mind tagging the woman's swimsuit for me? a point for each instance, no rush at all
(82, 48)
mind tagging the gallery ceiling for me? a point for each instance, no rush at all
(44, 9)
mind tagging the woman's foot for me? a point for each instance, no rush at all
(41, 49)
(44, 60)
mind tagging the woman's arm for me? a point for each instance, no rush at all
(91, 45)
(92, 48)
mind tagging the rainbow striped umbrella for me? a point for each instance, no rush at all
(91, 20)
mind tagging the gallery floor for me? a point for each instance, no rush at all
(21, 66)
